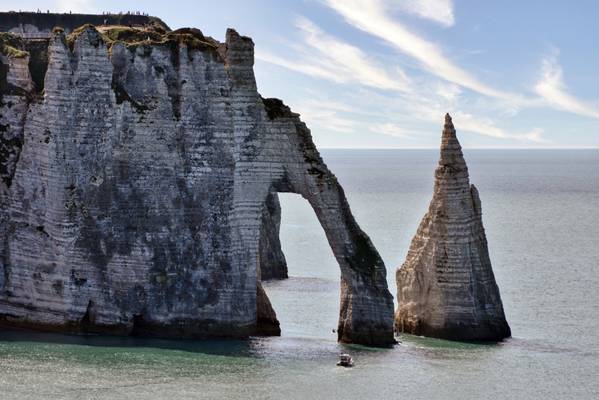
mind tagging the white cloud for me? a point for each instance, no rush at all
(448, 91)
(390, 129)
(327, 115)
(326, 57)
(552, 89)
(372, 16)
(299, 66)
(427, 98)
(76, 6)
(359, 113)
(487, 127)
(433, 109)
(440, 11)
(332, 105)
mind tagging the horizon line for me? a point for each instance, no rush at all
(463, 147)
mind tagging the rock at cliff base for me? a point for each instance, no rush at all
(268, 324)
(446, 287)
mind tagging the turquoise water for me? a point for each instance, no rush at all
(541, 213)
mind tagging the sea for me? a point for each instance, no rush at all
(541, 215)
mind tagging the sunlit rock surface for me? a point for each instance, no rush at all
(446, 287)
(134, 189)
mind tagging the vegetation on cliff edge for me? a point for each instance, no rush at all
(132, 37)
(11, 45)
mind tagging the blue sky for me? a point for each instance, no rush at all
(382, 73)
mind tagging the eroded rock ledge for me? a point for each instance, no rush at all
(446, 287)
(134, 187)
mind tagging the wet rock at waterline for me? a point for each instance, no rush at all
(134, 187)
(446, 287)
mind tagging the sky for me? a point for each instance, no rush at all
(383, 73)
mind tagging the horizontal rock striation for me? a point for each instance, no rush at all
(446, 287)
(135, 185)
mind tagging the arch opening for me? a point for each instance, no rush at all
(306, 300)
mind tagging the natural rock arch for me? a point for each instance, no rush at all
(365, 300)
(157, 158)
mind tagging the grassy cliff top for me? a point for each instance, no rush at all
(11, 45)
(69, 22)
(133, 36)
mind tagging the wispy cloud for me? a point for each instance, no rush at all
(390, 129)
(306, 68)
(425, 98)
(432, 108)
(439, 11)
(551, 88)
(448, 91)
(487, 127)
(324, 56)
(372, 16)
(399, 118)
(80, 6)
(327, 114)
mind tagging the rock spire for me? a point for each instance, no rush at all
(446, 287)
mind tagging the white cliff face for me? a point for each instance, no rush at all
(16, 88)
(136, 204)
(446, 287)
(15, 93)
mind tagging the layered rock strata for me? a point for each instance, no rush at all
(134, 188)
(446, 287)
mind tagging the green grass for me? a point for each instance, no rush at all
(125, 34)
(73, 36)
(132, 37)
(10, 46)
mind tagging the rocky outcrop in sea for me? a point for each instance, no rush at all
(446, 287)
(137, 165)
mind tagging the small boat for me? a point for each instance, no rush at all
(345, 360)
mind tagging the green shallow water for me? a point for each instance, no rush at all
(542, 220)
(54, 367)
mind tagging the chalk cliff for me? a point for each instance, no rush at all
(134, 187)
(446, 287)
(273, 264)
